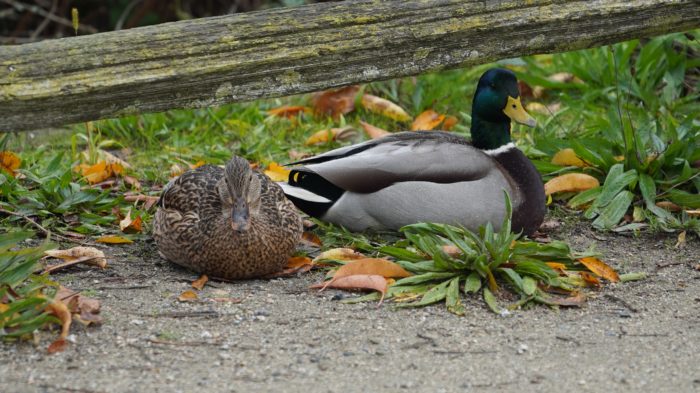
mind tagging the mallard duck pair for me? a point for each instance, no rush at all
(423, 176)
(229, 223)
(234, 223)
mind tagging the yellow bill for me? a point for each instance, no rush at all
(514, 109)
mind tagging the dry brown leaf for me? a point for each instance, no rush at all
(358, 281)
(333, 134)
(556, 265)
(187, 296)
(199, 283)
(311, 239)
(567, 157)
(590, 279)
(297, 155)
(450, 121)
(600, 268)
(59, 345)
(289, 111)
(384, 107)
(577, 300)
(339, 254)
(298, 261)
(374, 132)
(89, 255)
(426, 121)
(451, 250)
(335, 102)
(83, 309)
(148, 200)
(693, 213)
(680, 242)
(133, 182)
(570, 182)
(9, 162)
(371, 266)
(130, 225)
(668, 205)
(277, 172)
(113, 240)
(60, 310)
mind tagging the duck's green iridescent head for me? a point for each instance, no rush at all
(496, 103)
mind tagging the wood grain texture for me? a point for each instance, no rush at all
(212, 61)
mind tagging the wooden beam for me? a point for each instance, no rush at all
(279, 52)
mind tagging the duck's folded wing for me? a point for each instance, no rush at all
(370, 167)
(192, 190)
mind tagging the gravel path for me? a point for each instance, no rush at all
(638, 336)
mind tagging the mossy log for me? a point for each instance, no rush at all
(279, 52)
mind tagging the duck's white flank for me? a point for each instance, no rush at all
(501, 149)
(301, 193)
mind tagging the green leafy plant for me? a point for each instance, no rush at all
(24, 295)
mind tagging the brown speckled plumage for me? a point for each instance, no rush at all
(193, 224)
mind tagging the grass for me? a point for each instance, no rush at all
(634, 119)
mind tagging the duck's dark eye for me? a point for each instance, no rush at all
(513, 106)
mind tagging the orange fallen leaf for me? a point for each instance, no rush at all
(311, 239)
(374, 132)
(187, 296)
(567, 157)
(570, 182)
(59, 345)
(358, 281)
(113, 240)
(335, 102)
(371, 266)
(130, 225)
(339, 254)
(590, 279)
(288, 111)
(426, 121)
(298, 261)
(384, 107)
(83, 309)
(556, 265)
(693, 213)
(9, 162)
(277, 172)
(450, 121)
(600, 268)
(333, 134)
(199, 283)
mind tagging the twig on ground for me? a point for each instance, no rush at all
(38, 226)
(663, 265)
(53, 268)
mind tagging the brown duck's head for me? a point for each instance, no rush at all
(239, 191)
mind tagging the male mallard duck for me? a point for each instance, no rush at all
(229, 223)
(411, 177)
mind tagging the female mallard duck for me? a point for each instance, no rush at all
(412, 177)
(230, 223)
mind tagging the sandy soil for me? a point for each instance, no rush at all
(637, 336)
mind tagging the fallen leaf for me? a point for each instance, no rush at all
(338, 254)
(333, 134)
(59, 345)
(358, 281)
(83, 309)
(451, 250)
(450, 121)
(129, 225)
(668, 205)
(371, 266)
(80, 254)
(60, 310)
(590, 279)
(187, 296)
(384, 107)
(199, 283)
(693, 213)
(577, 300)
(148, 200)
(297, 155)
(599, 268)
(94, 173)
(311, 239)
(335, 102)
(681, 240)
(426, 121)
(176, 170)
(289, 111)
(298, 261)
(133, 182)
(567, 157)
(277, 172)
(556, 265)
(9, 162)
(570, 182)
(113, 240)
(374, 132)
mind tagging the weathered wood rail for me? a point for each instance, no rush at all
(279, 52)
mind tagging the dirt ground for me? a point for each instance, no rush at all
(636, 336)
